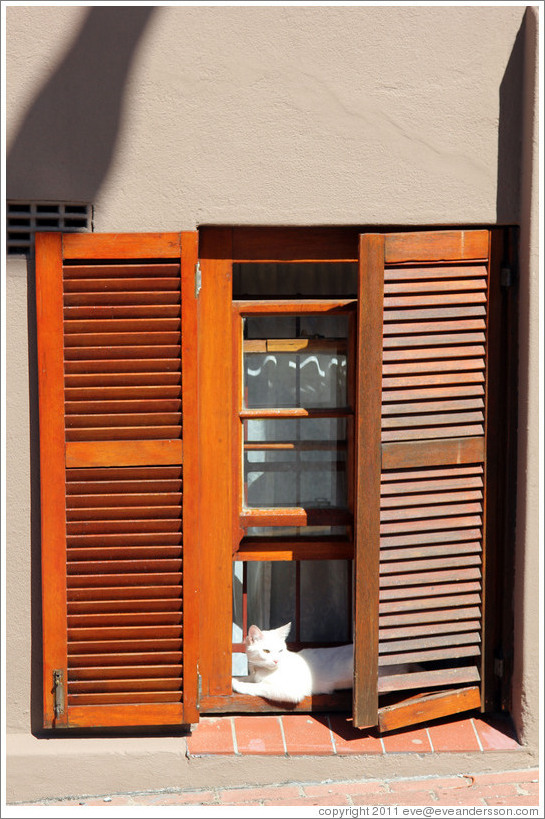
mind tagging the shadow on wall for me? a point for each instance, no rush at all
(63, 151)
(510, 133)
(66, 142)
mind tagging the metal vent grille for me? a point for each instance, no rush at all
(25, 218)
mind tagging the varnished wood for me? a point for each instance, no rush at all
(309, 550)
(107, 716)
(191, 475)
(123, 453)
(121, 245)
(52, 473)
(436, 245)
(301, 306)
(429, 679)
(217, 494)
(243, 704)
(367, 478)
(423, 708)
(424, 453)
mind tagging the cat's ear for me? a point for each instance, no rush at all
(283, 631)
(254, 633)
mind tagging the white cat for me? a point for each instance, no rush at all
(289, 676)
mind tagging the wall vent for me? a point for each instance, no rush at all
(26, 218)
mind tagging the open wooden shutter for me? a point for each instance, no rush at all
(421, 482)
(117, 335)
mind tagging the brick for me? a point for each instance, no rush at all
(211, 736)
(259, 735)
(496, 734)
(526, 775)
(429, 784)
(513, 801)
(349, 788)
(350, 740)
(414, 740)
(309, 802)
(306, 734)
(452, 736)
(193, 798)
(452, 797)
(498, 789)
(423, 797)
(239, 795)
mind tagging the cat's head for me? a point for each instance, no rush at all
(265, 648)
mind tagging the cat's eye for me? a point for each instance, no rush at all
(266, 651)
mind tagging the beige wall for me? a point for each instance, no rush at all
(182, 116)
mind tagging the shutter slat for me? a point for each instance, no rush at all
(116, 271)
(440, 498)
(142, 392)
(416, 619)
(135, 325)
(426, 351)
(124, 433)
(100, 355)
(125, 672)
(123, 299)
(142, 658)
(124, 498)
(423, 655)
(122, 311)
(445, 325)
(404, 631)
(405, 341)
(140, 697)
(96, 581)
(428, 679)
(115, 284)
(110, 606)
(91, 339)
(144, 617)
(398, 646)
(429, 603)
(430, 591)
(74, 408)
(121, 685)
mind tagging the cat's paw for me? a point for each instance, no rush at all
(241, 687)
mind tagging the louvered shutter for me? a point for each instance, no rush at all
(117, 338)
(422, 414)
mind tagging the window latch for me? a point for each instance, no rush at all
(58, 692)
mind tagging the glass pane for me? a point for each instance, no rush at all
(296, 531)
(295, 462)
(261, 280)
(324, 601)
(301, 362)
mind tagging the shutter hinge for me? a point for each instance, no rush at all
(498, 667)
(58, 691)
(198, 279)
(507, 276)
(199, 689)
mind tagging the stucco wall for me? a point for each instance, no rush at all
(174, 117)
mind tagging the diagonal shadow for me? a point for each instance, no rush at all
(66, 141)
(63, 151)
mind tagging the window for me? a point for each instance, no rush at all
(316, 421)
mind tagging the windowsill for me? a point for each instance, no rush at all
(299, 734)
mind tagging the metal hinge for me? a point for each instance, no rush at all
(58, 691)
(498, 667)
(507, 276)
(198, 279)
(199, 689)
